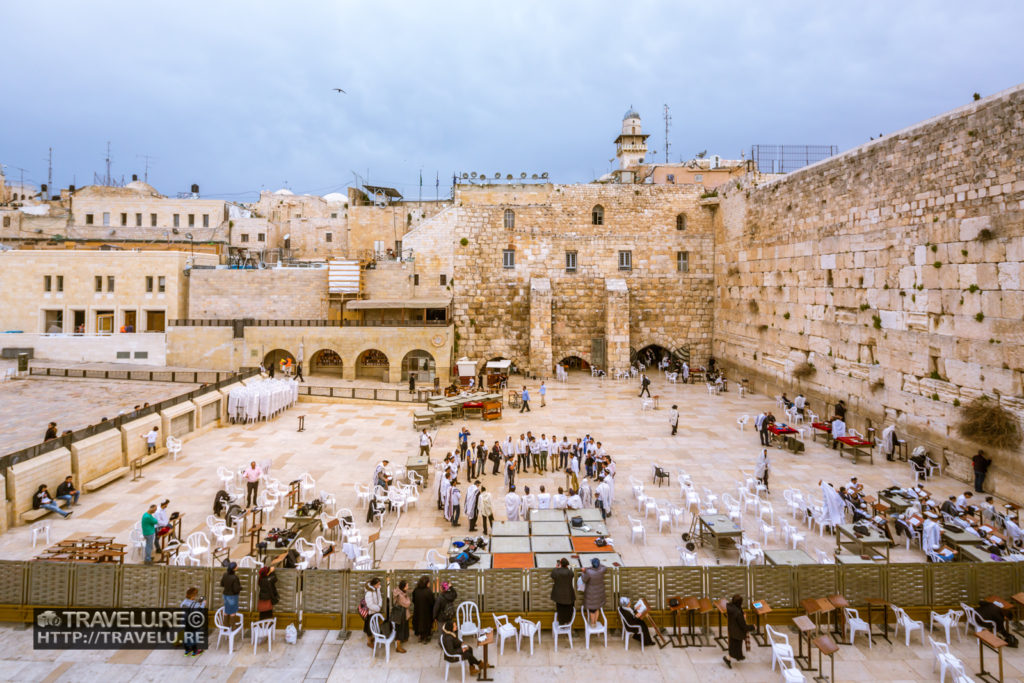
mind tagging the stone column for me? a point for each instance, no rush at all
(616, 326)
(540, 327)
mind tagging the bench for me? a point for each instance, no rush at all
(33, 515)
(100, 482)
(422, 419)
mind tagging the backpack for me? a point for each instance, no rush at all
(364, 611)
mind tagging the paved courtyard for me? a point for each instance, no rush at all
(343, 442)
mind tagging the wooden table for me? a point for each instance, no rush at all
(857, 447)
(723, 641)
(993, 642)
(484, 663)
(1018, 601)
(789, 558)
(718, 528)
(862, 545)
(804, 626)
(828, 647)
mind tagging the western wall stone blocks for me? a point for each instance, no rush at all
(95, 456)
(24, 478)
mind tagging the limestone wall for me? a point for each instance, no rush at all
(665, 306)
(895, 270)
(272, 294)
(132, 442)
(95, 456)
(24, 478)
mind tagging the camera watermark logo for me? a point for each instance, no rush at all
(119, 629)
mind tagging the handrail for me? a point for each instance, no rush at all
(300, 322)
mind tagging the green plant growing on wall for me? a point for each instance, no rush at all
(463, 241)
(786, 315)
(956, 403)
(935, 247)
(752, 305)
(986, 234)
(877, 384)
(972, 133)
(762, 328)
(963, 252)
(986, 422)
(804, 370)
(979, 316)
(935, 219)
(937, 264)
(876, 320)
(865, 307)
(885, 286)
(706, 195)
(935, 397)
(902, 293)
(935, 375)
(973, 288)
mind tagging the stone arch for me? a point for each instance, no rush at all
(421, 362)
(681, 221)
(597, 215)
(326, 361)
(574, 362)
(509, 219)
(276, 356)
(372, 363)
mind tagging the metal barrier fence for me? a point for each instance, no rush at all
(255, 322)
(366, 394)
(329, 598)
(182, 376)
(212, 384)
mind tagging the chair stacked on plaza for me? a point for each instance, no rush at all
(262, 400)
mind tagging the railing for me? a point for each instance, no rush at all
(115, 423)
(366, 394)
(325, 598)
(183, 376)
(249, 322)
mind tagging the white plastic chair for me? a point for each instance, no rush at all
(678, 515)
(942, 657)
(362, 493)
(742, 421)
(823, 557)
(975, 621)
(504, 631)
(854, 623)
(528, 629)
(379, 639)
(43, 529)
(947, 620)
(412, 495)
(766, 530)
(468, 616)
(782, 651)
(750, 552)
(224, 629)
(908, 624)
(628, 631)
(198, 544)
(307, 484)
(135, 539)
(636, 526)
(249, 562)
(436, 560)
(225, 475)
(664, 517)
(173, 447)
(415, 478)
(596, 629)
(306, 550)
(687, 558)
(792, 535)
(263, 630)
(562, 630)
(732, 507)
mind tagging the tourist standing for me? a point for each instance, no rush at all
(526, 401)
(192, 601)
(298, 372)
(543, 394)
(645, 385)
(150, 438)
(423, 609)
(425, 443)
(372, 604)
(252, 482)
(472, 500)
(232, 588)
(266, 596)
(400, 604)
(761, 471)
(981, 465)
(673, 418)
(149, 533)
(562, 592)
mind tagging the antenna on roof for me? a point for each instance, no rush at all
(668, 122)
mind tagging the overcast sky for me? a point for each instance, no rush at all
(237, 96)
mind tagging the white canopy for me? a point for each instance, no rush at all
(499, 364)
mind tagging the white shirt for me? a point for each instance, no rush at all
(558, 501)
(544, 445)
(424, 440)
(534, 447)
(838, 428)
(799, 402)
(521, 447)
(574, 502)
(512, 504)
(252, 475)
(161, 516)
(151, 437)
(543, 501)
(758, 420)
(673, 416)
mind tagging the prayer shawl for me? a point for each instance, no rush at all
(686, 371)
(543, 501)
(835, 508)
(558, 501)
(507, 448)
(454, 496)
(574, 502)
(446, 488)
(529, 503)
(838, 428)
(586, 495)
(472, 494)
(931, 536)
(486, 508)
(512, 504)
(889, 440)
(604, 491)
(762, 465)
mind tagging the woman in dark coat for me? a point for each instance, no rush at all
(267, 592)
(739, 630)
(593, 589)
(562, 592)
(423, 609)
(444, 604)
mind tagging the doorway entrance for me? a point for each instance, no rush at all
(104, 322)
(129, 321)
(154, 321)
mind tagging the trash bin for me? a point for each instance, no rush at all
(22, 362)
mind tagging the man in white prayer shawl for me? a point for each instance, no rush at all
(835, 508)
(605, 492)
(838, 430)
(586, 494)
(558, 501)
(446, 490)
(529, 502)
(472, 494)
(512, 504)
(574, 502)
(889, 441)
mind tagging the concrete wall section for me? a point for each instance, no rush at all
(95, 456)
(144, 349)
(271, 294)
(133, 442)
(24, 479)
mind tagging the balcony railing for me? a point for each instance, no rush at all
(251, 322)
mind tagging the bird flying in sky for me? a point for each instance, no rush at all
(340, 90)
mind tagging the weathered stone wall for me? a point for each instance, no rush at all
(368, 223)
(271, 294)
(666, 307)
(895, 270)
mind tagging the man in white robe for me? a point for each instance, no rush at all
(446, 490)
(603, 491)
(838, 430)
(472, 495)
(586, 494)
(889, 441)
(558, 501)
(513, 503)
(835, 508)
(543, 499)
(529, 502)
(453, 508)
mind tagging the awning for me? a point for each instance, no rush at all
(499, 364)
(365, 304)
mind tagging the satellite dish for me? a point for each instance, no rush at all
(544, 174)
(522, 175)
(472, 175)
(497, 176)
(466, 175)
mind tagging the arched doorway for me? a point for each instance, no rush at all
(274, 358)
(651, 355)
(372, 364)
(571, 363)
(325, 362)
(421, 364)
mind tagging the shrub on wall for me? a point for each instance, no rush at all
(804, 370)
(986, 422)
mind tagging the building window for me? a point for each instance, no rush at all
(161, 284)
(245, 237)
(625, 260)
(7, 221)
(597, 215)
(191, 220)
(334, 214)
(262, 237)
(510, 219)
(124, 219)
(328, 236)
(152, 220)
(149, 283)
(110, 283)
(138, 220)
(47, 283)
(88, 219)
(99, 283)
(206, 220)
(670, 178)
(177, 220)
(444, 279)
(60, 283)
(683, 261)
(106, 218)
(508, 258)
(570, 261)
(681, 222)
(698, 178)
